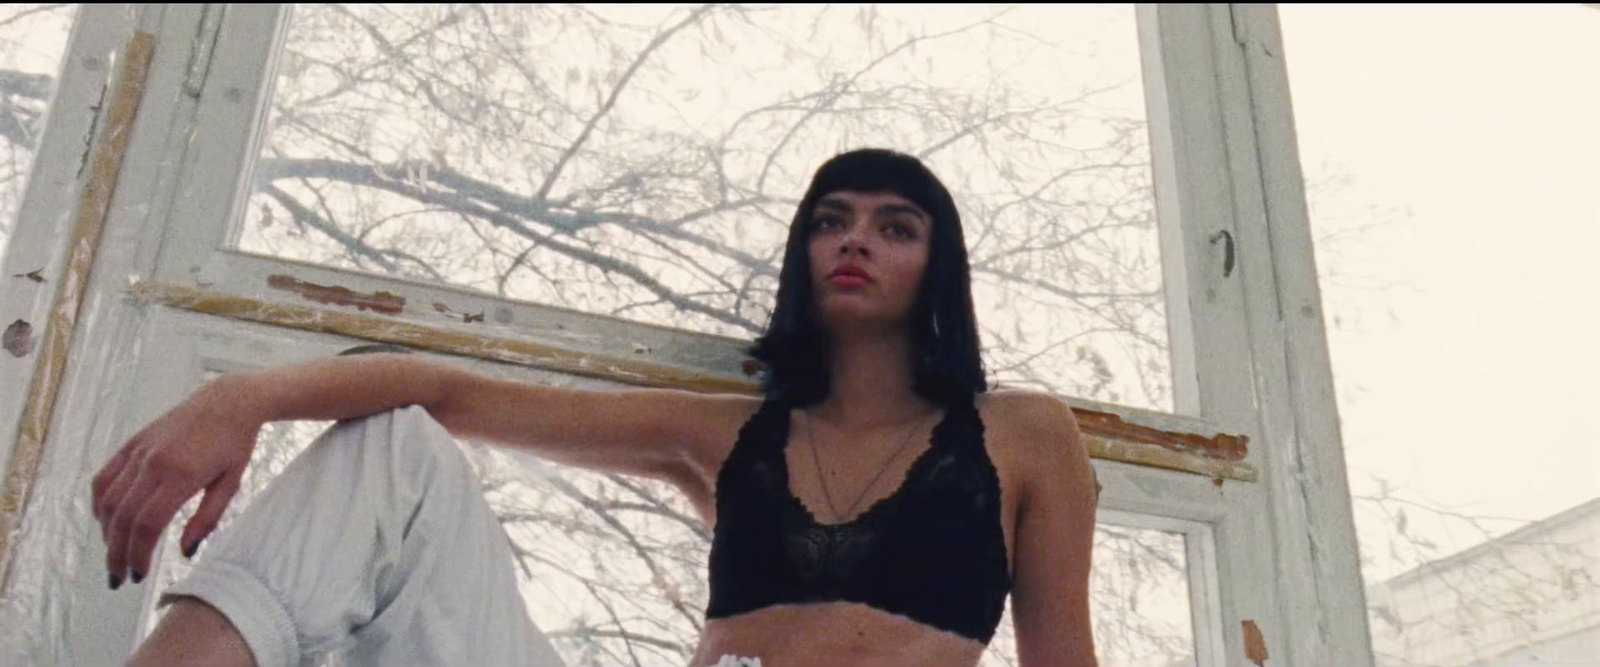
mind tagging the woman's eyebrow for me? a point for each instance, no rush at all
(913, 211)
(834, 203)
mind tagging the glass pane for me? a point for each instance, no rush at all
(644, 162)
(33, 38)
(1453, 161)
(613, 568)
(1139, 598)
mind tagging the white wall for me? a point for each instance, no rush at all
(1580, 649)
(1530, 597)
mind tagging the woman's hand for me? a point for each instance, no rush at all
(203, 443)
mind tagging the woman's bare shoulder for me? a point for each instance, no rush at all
(1025, 410)
(1026, 429)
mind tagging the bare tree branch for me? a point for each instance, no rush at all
(373, 176)
(644, 554)
(312, 219)
(616, 92)
(631, 637)
(838, 90)
(26, 85)
(29, 12)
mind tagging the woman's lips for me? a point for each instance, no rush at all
(847, 280)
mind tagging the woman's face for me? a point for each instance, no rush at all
(868, 251)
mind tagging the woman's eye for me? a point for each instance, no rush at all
(903, 230)
(825, 222)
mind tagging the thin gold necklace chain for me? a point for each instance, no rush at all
(915, 426)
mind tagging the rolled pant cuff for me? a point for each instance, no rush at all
(254, 609)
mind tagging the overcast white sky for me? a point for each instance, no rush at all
(1473, 134)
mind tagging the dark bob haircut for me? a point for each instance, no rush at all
(946, 359)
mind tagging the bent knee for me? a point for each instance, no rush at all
(421, 446)
(409, 427)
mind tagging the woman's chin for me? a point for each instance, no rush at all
(847, 310)
(857, 320)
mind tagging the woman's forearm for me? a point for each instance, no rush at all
(339, 387)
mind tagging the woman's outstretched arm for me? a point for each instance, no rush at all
(204, 443)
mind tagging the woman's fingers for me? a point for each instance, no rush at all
(102, 483)
(210, 511)
(126, 511)
(151, 521)
(159, 487)
(116, 494)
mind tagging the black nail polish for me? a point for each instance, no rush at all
(116, 581)
(136, 576)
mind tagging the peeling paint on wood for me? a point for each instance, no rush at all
(1112, 447)
(465, 317)
(424, 337)
(1222, 446)
(127, 91)
(1104, 439)
(1255, 645)
(378, 302)
(18, 338)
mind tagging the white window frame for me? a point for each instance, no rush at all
(39, 239)
(1249, 349)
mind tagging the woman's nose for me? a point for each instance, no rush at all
(850, 242)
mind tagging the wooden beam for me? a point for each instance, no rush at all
(127, 89)
(1107, 436)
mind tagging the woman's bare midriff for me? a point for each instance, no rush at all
(836, 634)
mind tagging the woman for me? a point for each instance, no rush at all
(875, 506)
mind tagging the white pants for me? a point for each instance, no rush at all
(376, 541)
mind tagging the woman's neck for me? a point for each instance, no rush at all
(871, 383)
